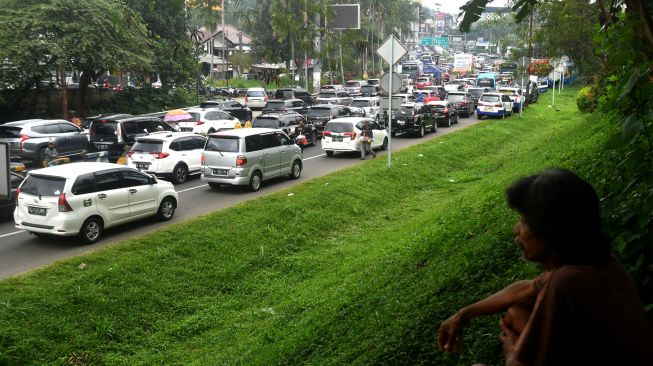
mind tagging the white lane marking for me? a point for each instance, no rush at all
(191, 188)
(313, 157)
(13, 233)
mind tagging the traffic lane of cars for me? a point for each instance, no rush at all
(20, 251)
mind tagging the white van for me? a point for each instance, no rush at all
(256, 98)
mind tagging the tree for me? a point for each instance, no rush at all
(68, 35)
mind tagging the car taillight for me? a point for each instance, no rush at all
(498, 105)
(199, 123)
(160, 155)
(265, 99)
(22, 139)
(241, 160)
(203, 160)
(446, 110)
(17, 193)
(350, 134)
(245, 99)
(129, 154)
(326, 133)
(63, 204)
(462, 104)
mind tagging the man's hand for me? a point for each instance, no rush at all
(508, 338)
(449, 335)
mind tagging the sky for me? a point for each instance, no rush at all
(453, 6)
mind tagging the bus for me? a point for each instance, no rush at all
(486, 80)
(508, 67)
(414, 68)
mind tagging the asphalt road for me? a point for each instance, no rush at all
(21, 252)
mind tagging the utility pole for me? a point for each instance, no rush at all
(530, 55)
(224, 48)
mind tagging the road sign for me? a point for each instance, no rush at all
(441, 41)
(384, 83)
(427, 41)
(391, 50)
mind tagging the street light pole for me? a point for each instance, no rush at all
(224, 48)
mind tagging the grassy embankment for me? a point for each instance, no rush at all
(357, 267)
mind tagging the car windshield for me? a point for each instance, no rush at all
(339, 127)
(360, 103)
(222, 143)
(327, 95)
(491, 98)
(276, 105)
(255, 93)
(194, 116)
(353, 84)
(211, 105)
(11, 132)
(284, 94)
(368, 89)
(507, 91)
(475, 92)
(104, 128)
(407, 109)
(438, 107)
(319, 112)
(43, 185)
(147, 146)
(265, 122)
(486, 83)
(456, 97)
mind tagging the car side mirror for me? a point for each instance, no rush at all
(151, 180)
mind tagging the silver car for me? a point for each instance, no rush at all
(249, 156)
(28, 139)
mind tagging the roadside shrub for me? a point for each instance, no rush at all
(149, 100)
(586, 99)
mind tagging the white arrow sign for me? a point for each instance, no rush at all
(391, 50)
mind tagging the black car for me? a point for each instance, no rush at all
(475, 94)
(414, 118)
(295, 105)
(233, 107)
(370, 91)
(286, 121)
(446, 113)
(463, 102)
(293, 93)
(87, 122)
(320, 114)
(117, 135)
(8, 204)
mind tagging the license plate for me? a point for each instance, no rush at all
(220, 172)
(337, 138)
(36, 210)
(102, 147)
(142, 166)
(487, 109)
(186, 129)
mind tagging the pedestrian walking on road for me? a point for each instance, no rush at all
(50, 154)
(366, 140)
(300, 135)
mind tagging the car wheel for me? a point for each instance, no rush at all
(478, 116)
(313, 138)
(422, 130)
(449, 121)
(179, 174)
(329, 153)
(214, 185)
(296, 170)
(384, 146)
(166, 209)
(91, 230)
(211, 130)
(457, 119)
(255, 182)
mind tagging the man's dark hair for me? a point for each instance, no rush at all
(562, 209)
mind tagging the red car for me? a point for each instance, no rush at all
(422, 82)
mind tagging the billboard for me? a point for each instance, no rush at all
(346, 16)
(462, 62)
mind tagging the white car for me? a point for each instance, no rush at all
(343, 134)
(515, 94)
(86, 198)
(207, 120)
(494, 104)
(334, 97)
(172, 155)
(370, 105)
(256, 98)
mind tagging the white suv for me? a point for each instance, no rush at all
(86, 198)
(173, 155)
(208, 120)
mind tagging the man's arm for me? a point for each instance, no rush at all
(518, 293)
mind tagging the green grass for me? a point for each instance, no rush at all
(357, 267)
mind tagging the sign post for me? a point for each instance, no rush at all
(5, 186)
(523, 61)
(391, 51)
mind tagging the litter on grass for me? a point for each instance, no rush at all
(290, 194)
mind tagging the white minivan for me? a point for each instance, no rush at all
(256, 98)
(86, 198)
(343, 134)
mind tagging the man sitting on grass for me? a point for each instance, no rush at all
(584, 309)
